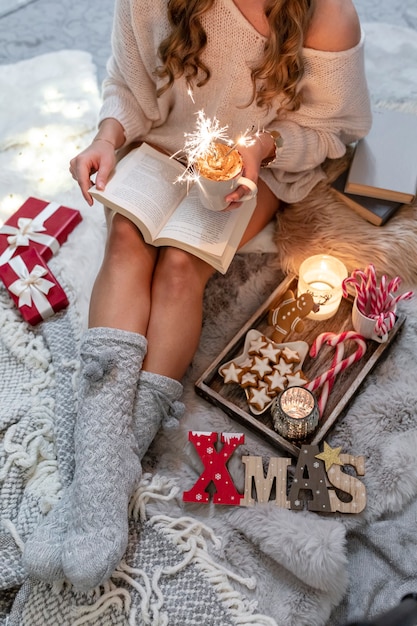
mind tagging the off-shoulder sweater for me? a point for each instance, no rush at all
(335, 110)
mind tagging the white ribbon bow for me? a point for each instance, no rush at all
(31, 287)
(27, 230)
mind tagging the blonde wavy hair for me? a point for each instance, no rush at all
(282, 66)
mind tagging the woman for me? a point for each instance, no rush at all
(292, 69)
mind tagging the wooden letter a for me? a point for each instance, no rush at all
(309, 482)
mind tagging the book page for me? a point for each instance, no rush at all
(210, 231)
(144, 185)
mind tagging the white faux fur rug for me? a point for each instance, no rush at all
(301, 577)
(48, 112)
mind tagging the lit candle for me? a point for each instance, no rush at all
(322, 276)
(295, 413)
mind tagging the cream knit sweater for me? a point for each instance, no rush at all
(335, 111)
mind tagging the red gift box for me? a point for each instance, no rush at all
(38, 224)
(34, 289)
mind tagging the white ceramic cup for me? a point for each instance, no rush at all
(213, 192)
(365, 326)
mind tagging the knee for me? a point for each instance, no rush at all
(124, 241)
(179, 273)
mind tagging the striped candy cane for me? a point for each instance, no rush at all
(340, 366)
(384, 322)
(394, 284)
(404, 296)
(320, 341)
(359, 280)
(328, 385)
(382, 297)
(325, 338)
(371, 289)
(381, 326)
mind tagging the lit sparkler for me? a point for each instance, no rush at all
(246, 139)
(202, 142)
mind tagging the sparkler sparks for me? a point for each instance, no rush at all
(202, 142)
(190, 93)
(246, 139)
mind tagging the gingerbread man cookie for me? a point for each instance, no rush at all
(288, 315)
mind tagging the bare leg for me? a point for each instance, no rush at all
(177, 296)
(176, 315)
(157, 294)
(121, 297)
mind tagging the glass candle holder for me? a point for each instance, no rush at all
(295, 413)
(322, 276)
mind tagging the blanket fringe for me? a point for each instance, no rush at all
(46, 482)
(151, 613)
(111, 595)
(151, 488)
(37, 444)
(23, 342)
(34, 454)
(190, 537)
(11, 528)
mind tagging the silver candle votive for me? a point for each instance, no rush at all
(295, 413)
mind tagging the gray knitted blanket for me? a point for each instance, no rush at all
(190, 564)
(167, 570)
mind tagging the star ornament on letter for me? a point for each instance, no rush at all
(330, 456)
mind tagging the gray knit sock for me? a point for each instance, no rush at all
(42, 556)
(107, 467)
(157, 401)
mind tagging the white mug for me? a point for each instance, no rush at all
(365, 326)
(213, 192)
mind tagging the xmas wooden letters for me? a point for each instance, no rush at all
(319, 482)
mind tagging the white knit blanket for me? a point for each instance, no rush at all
(260, 565)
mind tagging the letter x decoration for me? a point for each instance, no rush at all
(215, 470)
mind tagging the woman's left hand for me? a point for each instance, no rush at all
(252, 157)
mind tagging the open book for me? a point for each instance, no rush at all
(144, 187)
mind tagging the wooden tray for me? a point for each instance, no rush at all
(231, 398)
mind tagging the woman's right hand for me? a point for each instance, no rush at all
(99, 157)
